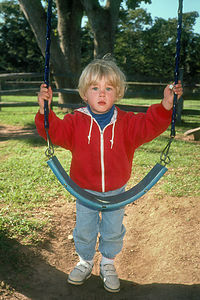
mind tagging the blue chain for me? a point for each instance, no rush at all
(164, 158)
(177, 60)
(50, 150)
(47, 58)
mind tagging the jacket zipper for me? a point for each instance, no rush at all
(102, 155)
(102, 163)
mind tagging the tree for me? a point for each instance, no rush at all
(104, 20)
(65, 46)
(190, 48)
(130, 36)
(17, 47)
(145, 49)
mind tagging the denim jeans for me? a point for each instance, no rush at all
(90, 223)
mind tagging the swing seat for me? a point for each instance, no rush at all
(111, 202)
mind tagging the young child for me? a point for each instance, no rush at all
(102, 139)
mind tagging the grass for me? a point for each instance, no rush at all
(27, 186)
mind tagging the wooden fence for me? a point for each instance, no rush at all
(16, 84)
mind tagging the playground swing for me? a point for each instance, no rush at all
(112, 202)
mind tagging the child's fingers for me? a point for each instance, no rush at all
(50, 91)
(176, 88)
(46, 95)
(44, 87)
(45, 92)
(43, 96)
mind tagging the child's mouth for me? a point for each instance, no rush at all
(101, 102)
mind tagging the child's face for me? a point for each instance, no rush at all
(100, 96)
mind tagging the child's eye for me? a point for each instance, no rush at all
(109, 89)
(95, 88)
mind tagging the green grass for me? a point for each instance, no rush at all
(182, 178)
(139, 101)
(14, 98)
(188, 104)
(28, 187)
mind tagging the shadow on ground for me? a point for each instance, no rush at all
(29, 276)
(27, 134)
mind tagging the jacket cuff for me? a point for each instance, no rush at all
(41, 116)
(165, 113)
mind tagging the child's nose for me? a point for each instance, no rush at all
(102, 92)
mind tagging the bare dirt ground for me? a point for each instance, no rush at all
(160, 259)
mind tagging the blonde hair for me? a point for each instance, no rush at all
(102, 68)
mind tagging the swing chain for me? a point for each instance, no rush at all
(50, 149)
(164, 157)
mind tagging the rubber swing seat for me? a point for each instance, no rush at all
(106, 203)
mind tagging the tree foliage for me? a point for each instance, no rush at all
(144, 48)
(18, 50)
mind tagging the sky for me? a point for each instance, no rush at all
(169, 9)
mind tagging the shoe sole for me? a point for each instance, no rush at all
(107, 288)
(78, 282)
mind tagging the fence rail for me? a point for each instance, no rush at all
(135, 90)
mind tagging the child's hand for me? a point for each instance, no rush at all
(44, 94)
(169, 95)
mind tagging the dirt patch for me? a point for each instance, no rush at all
(159, 261)
(12, 132)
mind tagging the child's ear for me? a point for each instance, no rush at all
(85, 98)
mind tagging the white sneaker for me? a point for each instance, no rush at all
(109, 276)
(80, 273)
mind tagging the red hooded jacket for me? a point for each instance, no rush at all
(102, 160)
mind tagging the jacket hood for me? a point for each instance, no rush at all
(113, 120)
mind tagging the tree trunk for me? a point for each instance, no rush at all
(65, 48)
(103, 21)
(70, 15)
(65, 59)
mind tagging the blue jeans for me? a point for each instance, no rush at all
(109, 226)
